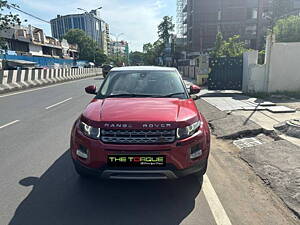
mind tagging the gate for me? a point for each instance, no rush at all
(226, 73)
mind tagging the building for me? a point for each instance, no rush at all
(90, 22)
(204, 19)
(31, 41)
(181, 24)
(119, 48)
(106, 39)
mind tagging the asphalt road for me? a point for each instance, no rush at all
(38, 184)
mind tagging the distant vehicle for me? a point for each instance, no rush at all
(106, 69)
(89, 65)
(141, 124)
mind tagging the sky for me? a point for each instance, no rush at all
(137, 19)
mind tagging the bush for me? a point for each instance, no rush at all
(288, 29)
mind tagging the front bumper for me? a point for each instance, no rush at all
(169, 172)
(178, 157)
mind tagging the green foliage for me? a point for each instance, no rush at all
(88, 49)
(117, 60)
(231, 48)
(8, 20)
(136, 58)
(261, 57)
(165, 28)
(152, 52)
(288, 29)
(100, 57)
(219, 46)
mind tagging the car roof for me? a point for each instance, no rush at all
(143, 68)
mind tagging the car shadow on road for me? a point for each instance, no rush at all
(60, 197)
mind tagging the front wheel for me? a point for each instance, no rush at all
(199, 175)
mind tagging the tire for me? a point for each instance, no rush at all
(199, 175)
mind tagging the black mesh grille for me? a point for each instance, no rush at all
(137, 136)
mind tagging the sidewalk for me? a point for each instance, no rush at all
(246, 121)
(266, 114)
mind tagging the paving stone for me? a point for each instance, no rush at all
(209, 112)
(280, 109)
(254, 108)
(233, 126)
(247, 142)
(278, 164)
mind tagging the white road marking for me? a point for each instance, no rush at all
(214, 203)
(11, 123)
(49, 86)
(56, 104)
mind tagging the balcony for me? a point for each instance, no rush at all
(184, 8)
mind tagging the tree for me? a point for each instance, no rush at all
(88, 49)
(136, 58)
(231, 48)
(100, 57)
(219, 46)
(288, 29)
(152, 52)
(165, 28)
(234, 47)
(8, 20)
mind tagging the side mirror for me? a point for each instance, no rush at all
(91, 90)
(194, 89)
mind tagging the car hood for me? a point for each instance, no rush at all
(141, 110)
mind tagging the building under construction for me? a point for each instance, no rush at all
(181, 17)
(199, 21)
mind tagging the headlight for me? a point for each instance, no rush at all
(189, 130)
(90, 131)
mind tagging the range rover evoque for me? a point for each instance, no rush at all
(141, 124)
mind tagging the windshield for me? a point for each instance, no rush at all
(143, 84)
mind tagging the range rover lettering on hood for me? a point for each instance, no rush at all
(145, 125)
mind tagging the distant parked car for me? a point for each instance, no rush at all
(106, 69)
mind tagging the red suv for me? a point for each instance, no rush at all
(142, 124)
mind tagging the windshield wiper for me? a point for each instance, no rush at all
(128, 95)
(171, 95)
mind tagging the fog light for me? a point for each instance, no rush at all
(82, 152)
(196, 152)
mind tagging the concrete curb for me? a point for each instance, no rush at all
(15, 80)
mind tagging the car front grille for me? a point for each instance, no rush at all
(138, 136)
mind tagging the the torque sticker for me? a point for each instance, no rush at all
(135, 161)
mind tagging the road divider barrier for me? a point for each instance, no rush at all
(13, 80)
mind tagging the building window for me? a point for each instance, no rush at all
(82, 23)
(252, 13)
(76, 23)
